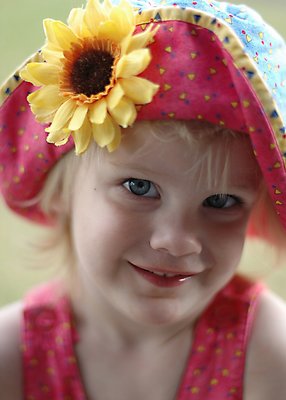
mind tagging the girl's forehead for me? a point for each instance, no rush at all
(186, 147)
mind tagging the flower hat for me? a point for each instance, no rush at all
(113, 64)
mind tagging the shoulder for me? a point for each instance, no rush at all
(266, 357)
(10, 352)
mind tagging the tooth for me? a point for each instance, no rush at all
(164, 274)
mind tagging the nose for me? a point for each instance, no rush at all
(176, 236)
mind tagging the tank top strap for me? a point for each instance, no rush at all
(216, 365)
(48, 336)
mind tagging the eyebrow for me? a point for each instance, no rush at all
(136, 167)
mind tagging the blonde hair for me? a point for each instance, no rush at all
(264, 222)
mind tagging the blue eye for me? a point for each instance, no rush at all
(221, 201)
(141, 187)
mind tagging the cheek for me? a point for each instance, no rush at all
(102, 229)
(226, 244)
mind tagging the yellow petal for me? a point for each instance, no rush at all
(129, 11)
(63, 116)
(62, 35)
(52, 56)
(58, 138)
(98, 112)
(107, 5)
(133, 63)
(82, 137)
(78, 117)
(46, 114)
(107, 31)
(122, 21)
(94, 16)
(124, 113)
(75, 20)
(114, 96)
(139, 90)
(49, 32)
(139, 41)
(45, 97)
(40, 74)
(117, 138)
(103, 134)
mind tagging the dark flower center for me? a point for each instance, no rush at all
(92, 72)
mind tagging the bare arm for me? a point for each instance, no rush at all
(266, 359)
(10, 354)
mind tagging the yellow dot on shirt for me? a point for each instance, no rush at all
(197, 372)
(167, 87)
(34, 362)
(191, 76)
(59, 340)
(45, 389)
(50, 371)
(183, 96)
(16, 179)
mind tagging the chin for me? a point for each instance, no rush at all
(160, 312)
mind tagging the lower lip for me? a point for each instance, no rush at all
(162, 281)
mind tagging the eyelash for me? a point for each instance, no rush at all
(224, 198)
(130, 185)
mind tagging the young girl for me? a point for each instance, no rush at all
(153, 143)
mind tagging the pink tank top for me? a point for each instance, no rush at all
(216, 362)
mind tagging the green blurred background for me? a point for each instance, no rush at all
(21, 35)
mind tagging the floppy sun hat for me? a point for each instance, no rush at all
(113, 64)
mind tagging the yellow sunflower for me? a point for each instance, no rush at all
(88, 81)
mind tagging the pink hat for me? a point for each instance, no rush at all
(194, 60)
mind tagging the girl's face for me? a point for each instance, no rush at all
(157, 235)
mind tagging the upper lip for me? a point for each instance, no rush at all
(161, 270)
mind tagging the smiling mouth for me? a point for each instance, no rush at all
(162, 279)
